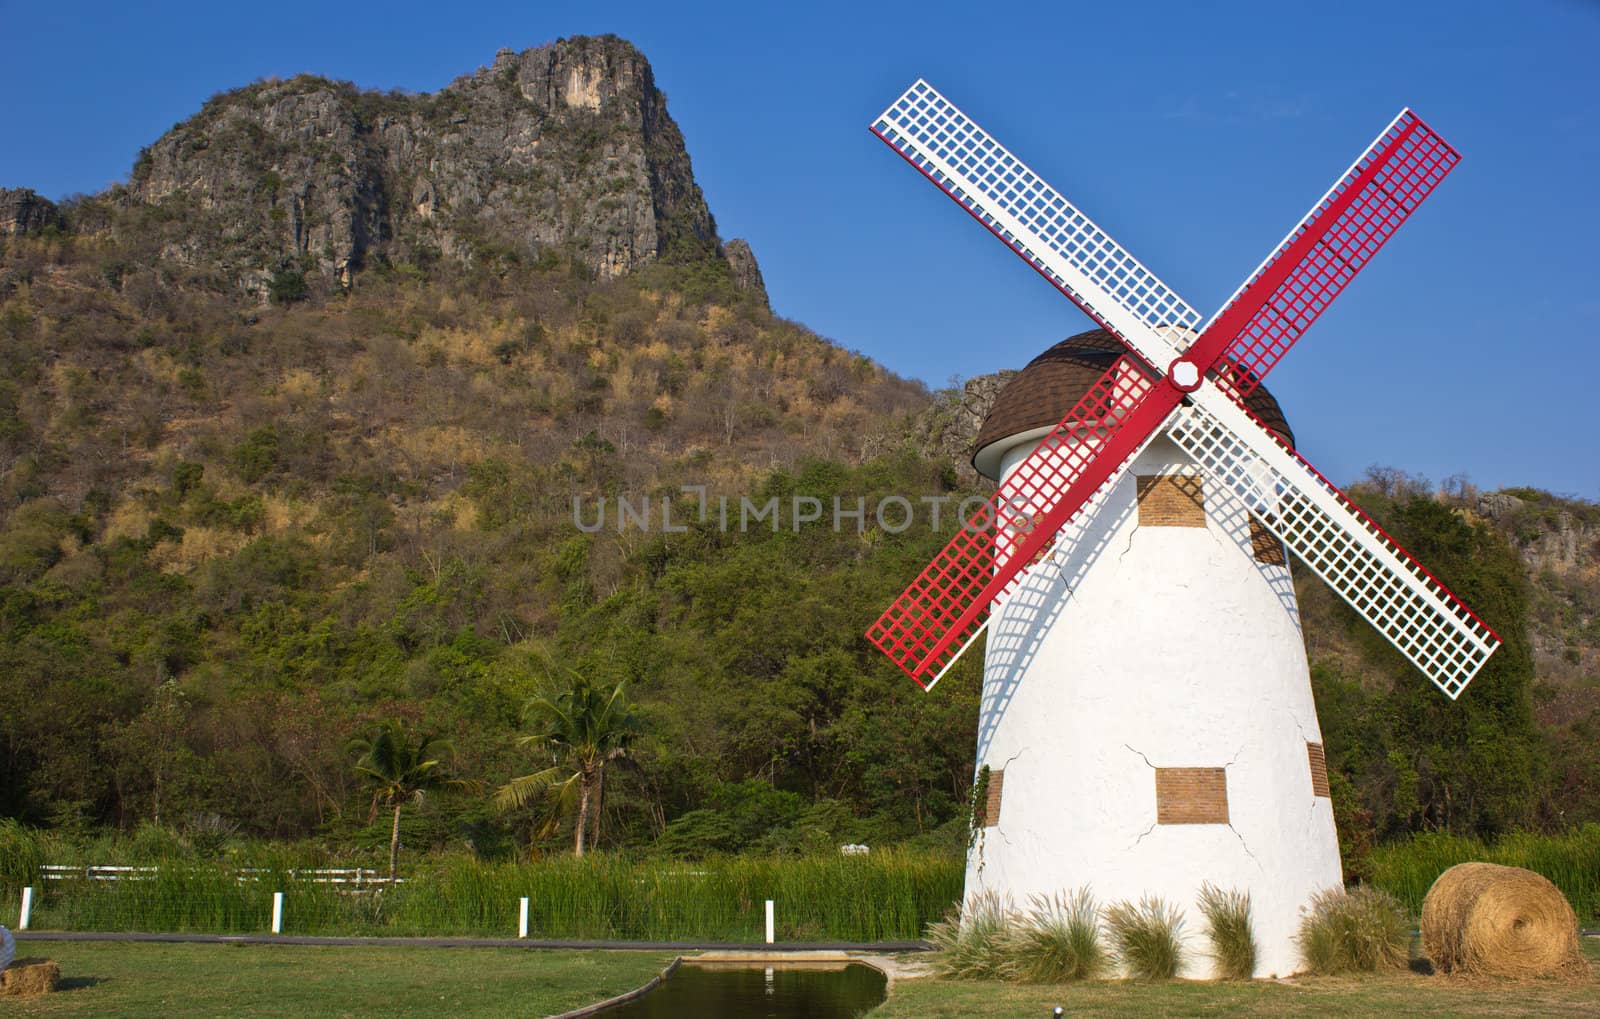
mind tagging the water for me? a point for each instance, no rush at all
(776, 992)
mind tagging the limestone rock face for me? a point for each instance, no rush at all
(946, 430)
(1557, 543)
(566, 147)
(746, 273)
(24, 211)
(949, 428)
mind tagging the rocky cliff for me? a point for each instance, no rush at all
(946, 428)
(566, 150)
(746, 272)
(1559, 541)
(23, 211)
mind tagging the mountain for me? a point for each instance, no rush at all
(566, 149)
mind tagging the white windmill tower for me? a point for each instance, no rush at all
(1147, 722)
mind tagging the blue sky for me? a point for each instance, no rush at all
(1196, 134)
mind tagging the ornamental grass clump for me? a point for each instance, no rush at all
(1359, 931)
(1146, 937)
(1056, 941)
(1233, 942)
(971, 944)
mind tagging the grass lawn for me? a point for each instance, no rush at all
(1401, 993)
(174, 981)
(116, 979)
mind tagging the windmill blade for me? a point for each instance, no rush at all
(1329, 533)
(1263, 318)
(940, 614)
(1274, 306)
(1034, 220)
(1329, 246)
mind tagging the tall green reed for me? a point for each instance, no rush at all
(889, 895)
(1406, 869)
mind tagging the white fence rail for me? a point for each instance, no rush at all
(353, 878)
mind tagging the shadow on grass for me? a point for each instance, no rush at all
(79, 983)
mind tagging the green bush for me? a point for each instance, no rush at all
(1056, 941)
(1233, 941)
(258, 455)
(287, 286)
(1359, 931)
(1146, 937)
(21, 855)
(973, 943)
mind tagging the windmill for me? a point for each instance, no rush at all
(1147, 723)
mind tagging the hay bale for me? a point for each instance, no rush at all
(1485, 919)
(28, 977)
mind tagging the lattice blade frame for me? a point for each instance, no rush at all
(1342, 545)
(1353, 219)
(942, 611)
(1051, 234)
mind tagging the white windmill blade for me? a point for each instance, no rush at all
(1363, 565)
(1038, 223)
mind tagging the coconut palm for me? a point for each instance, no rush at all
(399, 771)
(581, 730)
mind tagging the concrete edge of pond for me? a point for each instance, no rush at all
(888, 965)
(624, 997)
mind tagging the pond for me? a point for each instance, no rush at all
(784, 991)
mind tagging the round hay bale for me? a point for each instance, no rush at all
(28, 977)
(1485, 919)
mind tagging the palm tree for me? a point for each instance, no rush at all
(581, 729)
(398, 771)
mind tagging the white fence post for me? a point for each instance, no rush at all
(27, 908)
(522, 918)
(769, 921)
(277, 912)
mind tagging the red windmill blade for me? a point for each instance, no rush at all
(944, 610)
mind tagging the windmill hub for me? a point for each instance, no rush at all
(1184, 375)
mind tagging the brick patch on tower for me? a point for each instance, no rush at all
(991, 799)
(1266, 546)
(1319, 769)
(1191, 796)
(1171, 500)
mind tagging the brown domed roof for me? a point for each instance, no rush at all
(1052, 384)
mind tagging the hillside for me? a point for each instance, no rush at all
(241, 523)
(292, 429)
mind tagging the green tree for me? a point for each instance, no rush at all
(288, 286)
(150, 749)
(1474, 765)
(581, 729)
(399, 771)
